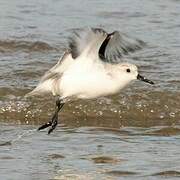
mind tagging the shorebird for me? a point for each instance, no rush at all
(93, 66)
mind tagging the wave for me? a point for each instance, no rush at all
(143, 109)
(22, 45)
(169, 173)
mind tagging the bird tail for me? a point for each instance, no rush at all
(49, 82)
(41, 89)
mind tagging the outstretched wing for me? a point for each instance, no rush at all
(86, 41)
(118, 44)
(49, 82)
(109, 47)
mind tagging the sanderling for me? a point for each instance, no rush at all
(93, 66)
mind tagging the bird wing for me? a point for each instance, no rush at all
(58, 68)
(109, 47)
(49, 81)
(86, 41)
(118, 44)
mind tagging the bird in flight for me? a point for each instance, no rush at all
(92, 67)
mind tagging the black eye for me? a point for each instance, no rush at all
(128, 70)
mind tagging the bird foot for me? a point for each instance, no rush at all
(52, 123)
(45, 126)
(53, 126)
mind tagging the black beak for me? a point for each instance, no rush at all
(141, 78)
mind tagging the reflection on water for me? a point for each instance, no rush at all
(89, 152)
(134, 134)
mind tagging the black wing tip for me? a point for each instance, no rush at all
(72, 42)
(72, 47)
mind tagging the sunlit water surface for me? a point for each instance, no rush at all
(132, 135)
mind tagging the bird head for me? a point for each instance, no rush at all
(129, 72)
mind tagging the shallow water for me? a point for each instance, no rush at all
(132, 135)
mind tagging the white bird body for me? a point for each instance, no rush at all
(84, 79)
(92, 68)
(89, 81)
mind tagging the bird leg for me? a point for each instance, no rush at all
(53, 123)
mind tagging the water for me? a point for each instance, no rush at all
(132, 135)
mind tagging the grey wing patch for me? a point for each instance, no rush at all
(57, 70)
(49, 83)
(117, 45)
(84, 38)
(51, 76)
(51, 80)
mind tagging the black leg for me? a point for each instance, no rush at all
(53, 123)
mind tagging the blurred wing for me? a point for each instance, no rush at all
(116, 45)
(86, 41)
(49, 81)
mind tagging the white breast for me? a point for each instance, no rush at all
(85, 80)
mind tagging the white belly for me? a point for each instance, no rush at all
(86, 83)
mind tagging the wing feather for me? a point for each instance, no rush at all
(119, 44)
(86, 40)
(108, 47)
